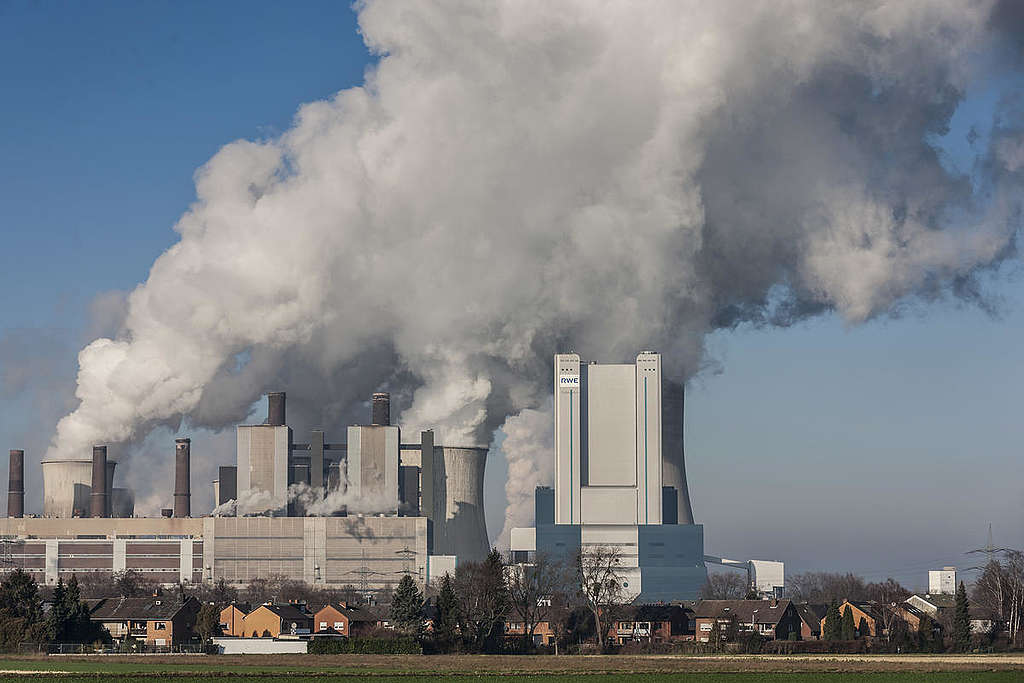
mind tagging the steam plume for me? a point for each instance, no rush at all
(518, 178)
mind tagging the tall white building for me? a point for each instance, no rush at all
(942, 581)
(615, 485)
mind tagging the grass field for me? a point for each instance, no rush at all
(592, 669)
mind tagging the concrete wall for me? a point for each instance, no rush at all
(259, 646)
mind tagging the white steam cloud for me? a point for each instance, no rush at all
(519, 178)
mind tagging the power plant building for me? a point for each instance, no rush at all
(408, 508)
(620, 480)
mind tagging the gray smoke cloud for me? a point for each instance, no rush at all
(520, 178)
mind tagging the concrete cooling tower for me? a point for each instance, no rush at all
(67, 487)
(673, 466)
(453, 498)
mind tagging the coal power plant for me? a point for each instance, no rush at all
(363, 512)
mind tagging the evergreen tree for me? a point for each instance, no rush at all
(832, 629)
(21, 611)
(446, 624)
(69, 616)
(19, 597)
(863, 630)
(407, 606)
(847, 626)
(961, 620)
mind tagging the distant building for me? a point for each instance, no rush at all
(942, 581)
(157, 620)
(933, 604)
(772, 619)
(812, 615)
(347, 621)
(232, 618)
(653, 624)
(272, 621)
(620, 480)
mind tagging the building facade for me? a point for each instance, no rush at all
(615, 486)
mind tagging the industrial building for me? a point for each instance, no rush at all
(620, 480)
(363, 513)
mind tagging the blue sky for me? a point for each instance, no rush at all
(110, 108)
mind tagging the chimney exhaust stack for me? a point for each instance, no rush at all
(380, 414)
(182, 478)
(98, 498)
(275, 408)
(16, 484)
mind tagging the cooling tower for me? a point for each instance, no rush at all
(16, 484)
(457, 502)
(673, 468)
(67, 485)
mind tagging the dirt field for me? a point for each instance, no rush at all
(593, 668)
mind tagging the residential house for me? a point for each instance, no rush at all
(652, 624)
(232, 617)
(543, 634)
(933, 604)
(811, 617)
(867, 617)
(348, 621)
(159, 620)
(984, 621)
(272, 621)
(773, 619)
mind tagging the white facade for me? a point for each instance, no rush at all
(608, 462)
(373, 465)
(942, 581)
(263, 466)
(609, 478)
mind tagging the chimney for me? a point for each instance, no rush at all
(380, 414)
(228, 483)
(275, 408)
(16, 485)
(182, 478)
(98, 498)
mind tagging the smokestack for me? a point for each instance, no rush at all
(275, 408)
(228, 484)
(182, 478)
(16, 484)
(380, 414)
(98, 498)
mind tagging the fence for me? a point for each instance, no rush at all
(125, 648)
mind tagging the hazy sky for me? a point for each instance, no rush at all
(884, 448)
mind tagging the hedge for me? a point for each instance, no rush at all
(366, 646)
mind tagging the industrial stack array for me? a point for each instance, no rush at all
(377, 509)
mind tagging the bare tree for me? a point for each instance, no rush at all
(536, 591)
(1000, 589)
(725, 586)
(599, 572)
(483, 600)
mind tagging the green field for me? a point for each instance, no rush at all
(409, 668)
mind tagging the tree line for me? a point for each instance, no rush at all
(22, 619)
